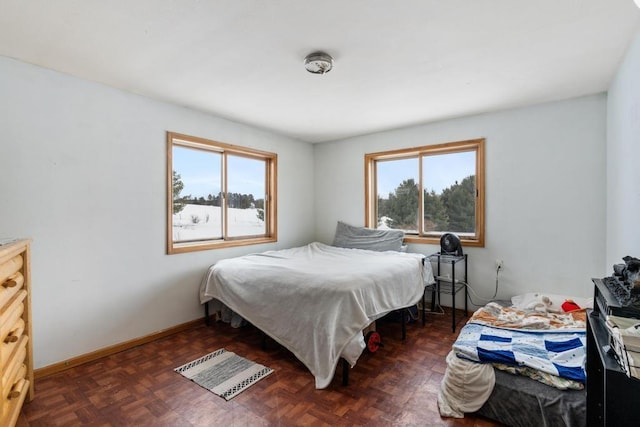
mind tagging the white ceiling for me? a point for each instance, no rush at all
(397, 63)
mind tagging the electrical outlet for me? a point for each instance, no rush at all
(499, 264)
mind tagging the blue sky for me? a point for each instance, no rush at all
(200, 172)
(440, 171)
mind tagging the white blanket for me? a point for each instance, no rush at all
(315, 299)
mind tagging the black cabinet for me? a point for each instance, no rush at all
(613, 399)
(449, 284)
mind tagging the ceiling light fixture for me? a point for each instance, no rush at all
(318, 63)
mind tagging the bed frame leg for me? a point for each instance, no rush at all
(207, 320)
(404, 323)
(264, 341)
(345, 372)
(424, 310)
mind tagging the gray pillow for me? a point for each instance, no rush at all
(349, 236)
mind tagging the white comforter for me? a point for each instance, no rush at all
(315, 299)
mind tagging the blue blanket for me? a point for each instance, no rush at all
(557, 353)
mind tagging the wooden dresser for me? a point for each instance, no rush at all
(16, 355)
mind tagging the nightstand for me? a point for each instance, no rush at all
(449, 284)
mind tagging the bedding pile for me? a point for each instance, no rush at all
(497, 316)
(549, 347)
(557, 353)
(316, 299)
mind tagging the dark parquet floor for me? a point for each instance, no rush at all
(396, 386)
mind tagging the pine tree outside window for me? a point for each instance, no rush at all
(428, 191)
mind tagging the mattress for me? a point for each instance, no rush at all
(522, 402)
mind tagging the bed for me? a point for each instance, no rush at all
(522, 365)
(316, 299)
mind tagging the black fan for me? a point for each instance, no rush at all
(450, 245)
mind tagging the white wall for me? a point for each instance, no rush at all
(83, 174)
(545, 187)
(623, 160)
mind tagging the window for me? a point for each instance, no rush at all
(428, 191)
(218, 195)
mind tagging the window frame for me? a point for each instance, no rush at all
(270, 202)
(371, 193)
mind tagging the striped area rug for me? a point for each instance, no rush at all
(224, 373)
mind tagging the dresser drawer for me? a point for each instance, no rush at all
(10, 267)
(11, 404)
(10, 286)
(11, 313)
(11, 342)
(15, 370)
